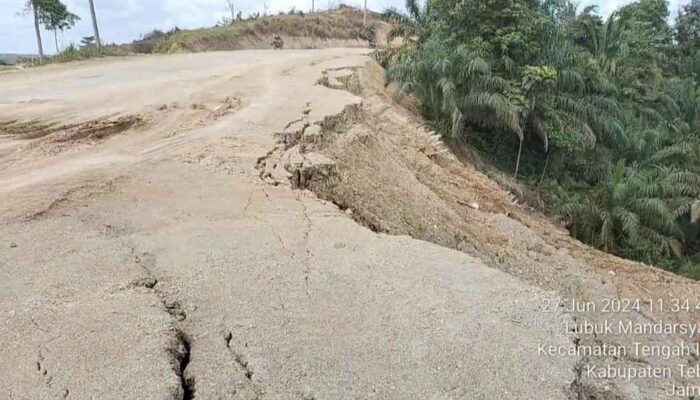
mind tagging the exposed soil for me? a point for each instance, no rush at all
(343, 27)
(392, 175)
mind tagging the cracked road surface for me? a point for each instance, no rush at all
(152, 262)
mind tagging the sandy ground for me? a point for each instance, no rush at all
(147, 250)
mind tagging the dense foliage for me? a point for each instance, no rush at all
(602, 115)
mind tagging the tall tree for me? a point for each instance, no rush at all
(55, 16)
(412, 26)
(35, 9)
(94, 24)
(688, 27)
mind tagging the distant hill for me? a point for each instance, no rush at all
(12, 58)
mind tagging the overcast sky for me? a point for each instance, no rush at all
(124, 20)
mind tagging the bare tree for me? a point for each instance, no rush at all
(232, 9)
(266, 7)
(98, 42)
(313, 5)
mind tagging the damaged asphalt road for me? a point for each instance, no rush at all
(155, 263)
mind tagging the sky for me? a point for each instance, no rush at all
(122, 21)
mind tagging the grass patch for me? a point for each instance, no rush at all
(75, 53)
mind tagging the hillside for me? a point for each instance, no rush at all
(596, 116)
(342, 27)
(381, 164)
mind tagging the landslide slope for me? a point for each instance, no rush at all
(391, 174)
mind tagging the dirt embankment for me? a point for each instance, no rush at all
(378, 162)
(342, 27)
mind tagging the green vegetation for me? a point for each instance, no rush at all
(54, 15)
(86, 51)
(599, 115)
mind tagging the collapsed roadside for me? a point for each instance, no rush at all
(377, 161)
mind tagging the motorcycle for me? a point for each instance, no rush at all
(278, 43)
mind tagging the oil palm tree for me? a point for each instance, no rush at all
(456, 86)
(628, 214)
(596, 93)
(411, 26)
(460, 87)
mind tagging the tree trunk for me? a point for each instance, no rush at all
(517, 164)
(544, 171)
(94, 25)
(55, 39)
(313, 4)
(38, 32)
(364, 16)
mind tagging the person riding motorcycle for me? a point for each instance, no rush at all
(277, 42)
